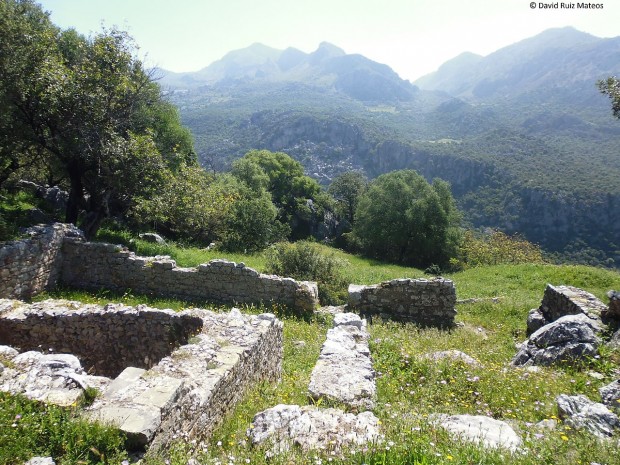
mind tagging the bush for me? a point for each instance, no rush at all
(403, 219)
(497, 248)
(306, 261)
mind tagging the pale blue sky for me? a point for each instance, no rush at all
(414, 37)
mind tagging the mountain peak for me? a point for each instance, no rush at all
(326, 51)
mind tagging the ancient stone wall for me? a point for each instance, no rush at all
(105, 339)
(31, 265)
(427, 302)
(58, 254)
(184, 394)
(106, 266)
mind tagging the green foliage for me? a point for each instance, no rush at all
(14, 212)
(346, 190)
(251, 224)
(611, 87)
(191, 205)
(496, 248)
(86, 109)
(307, 261)
(404, 219)
(284, 178)
(30, 429)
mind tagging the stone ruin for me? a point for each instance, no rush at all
(58, 255)
(161, 374)
(567, 327)
(426, 302)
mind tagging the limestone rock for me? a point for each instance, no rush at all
(569, 338)
(53, 378)
(8, 353)
(610, 395)
(344, 370)
(484, 430)
(453, 355)
(40, 461)
(310, 428)
(348, 319)
(153, 237)
(581, 413)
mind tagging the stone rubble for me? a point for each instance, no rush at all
(344, 372)
(610, 395)
(309, 427)
(53, 378)
(581, 413)
(613, 310)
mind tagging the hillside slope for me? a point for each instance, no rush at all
(523, 135)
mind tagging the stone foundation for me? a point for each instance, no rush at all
(183, 395)
(105, 339)
(427, 302)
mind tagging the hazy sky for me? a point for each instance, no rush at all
(414, 37)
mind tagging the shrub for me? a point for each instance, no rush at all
(306, 261)
(497, 248)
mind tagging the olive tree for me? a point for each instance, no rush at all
(403, 219)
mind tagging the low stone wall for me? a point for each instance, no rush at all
(559, 301)
(106, 266)
(105, 339)
(427, 302)
(184, 395)
(58, 254)
(32, 265)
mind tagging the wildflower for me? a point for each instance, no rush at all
(564, 437)
(219, 443)
(125, 462)
(449, 457)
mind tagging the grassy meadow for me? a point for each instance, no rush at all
(410, 388)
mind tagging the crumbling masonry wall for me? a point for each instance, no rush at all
(32, 265)
(58, 254)
(184, 395)
(427, 302)
(105, 339)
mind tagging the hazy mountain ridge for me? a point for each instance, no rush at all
(525, 139)
(328, 66)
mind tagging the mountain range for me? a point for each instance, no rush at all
(523, 135)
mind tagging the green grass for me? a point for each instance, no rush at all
(411, 388)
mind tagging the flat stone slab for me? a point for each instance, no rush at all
(483, 430)
(344, 370)
(308, 427)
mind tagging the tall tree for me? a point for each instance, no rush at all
(89, 104)
(404, 219)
